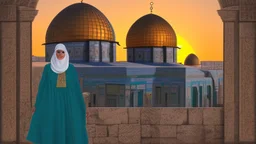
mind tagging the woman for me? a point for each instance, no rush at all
(59, 116)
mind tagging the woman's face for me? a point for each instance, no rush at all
(60, 54)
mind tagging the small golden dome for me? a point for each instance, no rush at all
(192, 59)
(79, 22)
(151, 31)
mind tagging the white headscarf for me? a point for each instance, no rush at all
(59, 66)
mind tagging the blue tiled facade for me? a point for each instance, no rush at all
(125, 84)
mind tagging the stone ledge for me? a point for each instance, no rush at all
(8, 13)
(228, 15)
(213, 116)
(27, 15)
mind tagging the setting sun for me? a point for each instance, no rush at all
(185, 49)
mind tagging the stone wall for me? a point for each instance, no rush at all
(155, 125)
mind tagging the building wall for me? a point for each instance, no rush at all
(195, 78)
(169, 55)
(175, 54)
(155, 125)
(218, 81)
(78, 51)
(197, 83)
(145, 55)
(94, 51)
(38, 59)
(212, 65)
(114, 52)
(105, 51)
(130, 55)
(175, 85)
(158, 55)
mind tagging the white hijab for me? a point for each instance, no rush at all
(59, 66)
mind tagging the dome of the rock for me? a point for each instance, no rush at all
(79, 22)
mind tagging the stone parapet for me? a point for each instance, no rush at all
(228, 15)
(27, 14)
(155, 125)
(13, 13)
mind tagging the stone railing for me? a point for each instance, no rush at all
(155, 125)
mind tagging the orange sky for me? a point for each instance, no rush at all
(196, 22)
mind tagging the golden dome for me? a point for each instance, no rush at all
(192, 59)
(79, 22)
(151, 31)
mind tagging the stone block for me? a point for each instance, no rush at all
(91, 130)
(174, 116)
(160, 141)
(105, 140)
(150, 115)
(113, 116)
(113, 131)
(146, 131)
(90, 140)
(163, 131)
(190, 133)
(129, 133)
(92, 115)
(213, 116)
(134, 115)
(213, 134)
(219, 132)
(195, 116)
(101, 131)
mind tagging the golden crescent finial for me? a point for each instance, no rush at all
(151, 6)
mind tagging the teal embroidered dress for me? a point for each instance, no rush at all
(60, 112)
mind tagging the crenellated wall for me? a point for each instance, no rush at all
(155, 125)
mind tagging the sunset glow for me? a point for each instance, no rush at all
(197, 24)
(185, 49)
